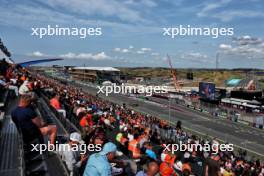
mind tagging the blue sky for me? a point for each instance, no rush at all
(133, 32)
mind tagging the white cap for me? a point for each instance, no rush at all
(178, 165)
(186, 155)
(76, 137)
(107, 122)
(162, 157)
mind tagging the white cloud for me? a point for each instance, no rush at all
(143, 50)
(37, 54)
(146, 49)
(217, 10)
(117, 49)
(104, 8)
(229, 15)
(148, 3)
(70, 55)
(122, 50)
(98, 56)
(125, 50)
(209, 7)
(140, 52)
(246, 46)
(225, 46)
(130, 50)
(247, 40)
(195, 57)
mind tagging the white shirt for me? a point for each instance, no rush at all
(70, 157)
(23, 89)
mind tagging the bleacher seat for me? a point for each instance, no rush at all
(11, 154)
(3, 98)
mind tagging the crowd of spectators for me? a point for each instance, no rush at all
(140, 137)
(132, 142)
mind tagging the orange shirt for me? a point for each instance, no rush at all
(186, 166)
(86, 120)
(55, 103)
(167, 170)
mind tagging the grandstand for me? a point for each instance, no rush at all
(104, 122)
(95, 74)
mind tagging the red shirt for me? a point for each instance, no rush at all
(54, 102)
(86, 120)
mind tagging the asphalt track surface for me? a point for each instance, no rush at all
(242, 136)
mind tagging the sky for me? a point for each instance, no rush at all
(133, 32)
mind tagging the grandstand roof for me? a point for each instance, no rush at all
(97, 68)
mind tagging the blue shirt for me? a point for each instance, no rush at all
(141, 173)
(97, 165)
(22, 117)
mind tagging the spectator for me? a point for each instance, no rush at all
(29, 123)
(8, 85)
(212, 166)
(86, 123)
(55, 103)
(153, 169)
(166, 167)
(25, 88)
(132, 125)
(149, 152)
(72, 158)
(133, 146)
(98, 163)
(80, 109)
(227, 171)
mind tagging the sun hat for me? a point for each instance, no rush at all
(108, 147)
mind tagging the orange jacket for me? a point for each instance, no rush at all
(167, 170)
(133, 147)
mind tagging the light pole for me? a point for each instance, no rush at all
(83, 73)
(169, 108)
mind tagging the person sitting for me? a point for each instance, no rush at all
(55, 103)
(86, 123)
(27, 121)
(133, 147)
(25, 88)
(99, 163)
(72, 158)
(8, 85)
(152, 170)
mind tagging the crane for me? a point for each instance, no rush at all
(173, 72)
